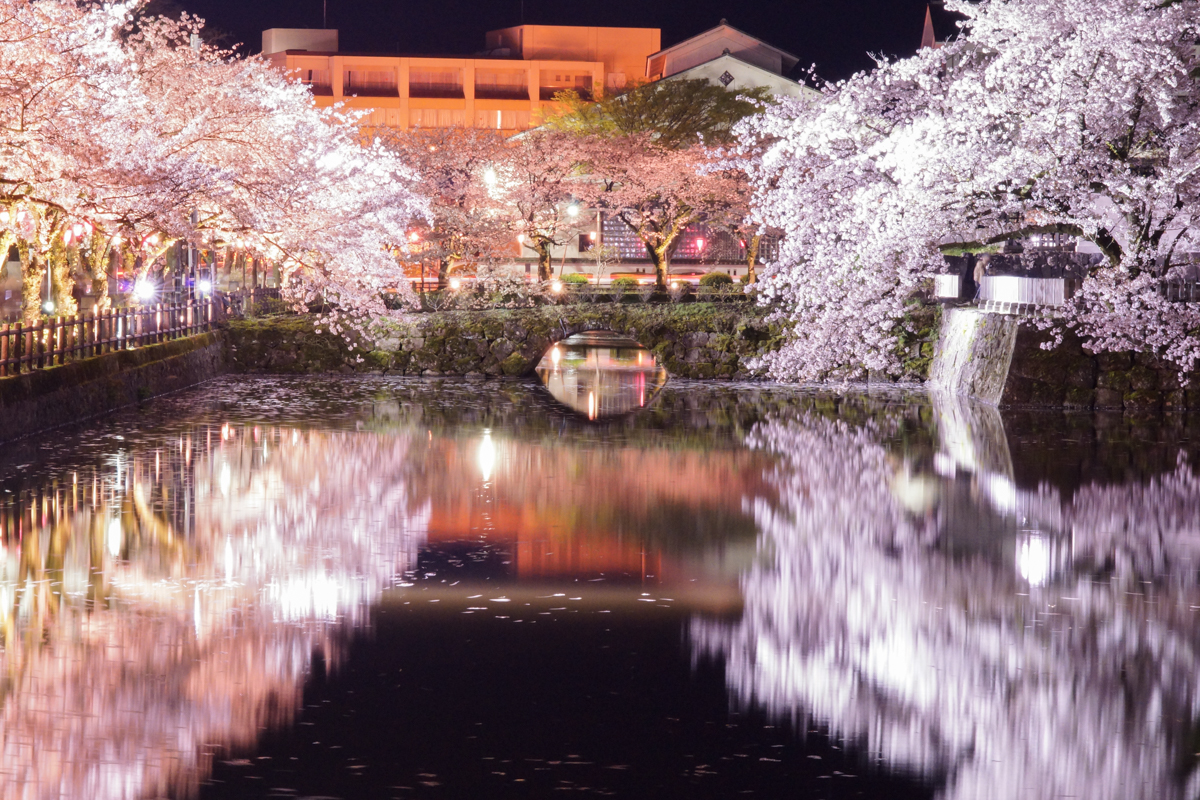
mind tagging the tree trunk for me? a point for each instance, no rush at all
(97, 269)
(62, 282)
(443, 273)
(752, 245)
(545, 261)
(661, 259)
(33, 277)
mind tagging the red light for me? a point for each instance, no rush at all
(414, 237)
(699, 244)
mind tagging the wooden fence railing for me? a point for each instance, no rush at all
(244, 301)
(56, 340)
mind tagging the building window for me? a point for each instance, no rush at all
(499, 120)
(436, 117)
(501, 85)
(369, 83)
(317, 80)
(423, 82)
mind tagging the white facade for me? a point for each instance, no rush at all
(734, 74)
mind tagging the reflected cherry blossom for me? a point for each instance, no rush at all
(164, 610)
(1037, 646)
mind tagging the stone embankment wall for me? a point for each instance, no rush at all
(973, 354)
(1000, 360)
(693, 340)
(38, 401)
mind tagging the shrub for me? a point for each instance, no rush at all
(575, 278)
(716, 280)
(622, 285)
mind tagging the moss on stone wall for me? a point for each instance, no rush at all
(1068, 376)
(692, 340)
(37, 401)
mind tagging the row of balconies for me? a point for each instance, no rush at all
(384, 84)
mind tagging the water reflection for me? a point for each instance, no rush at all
(164, 605)
(1006, 642)
(882, 565)
(600, 374)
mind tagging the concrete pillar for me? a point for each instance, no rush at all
(535, 91)
(468, 78)
(402, 83)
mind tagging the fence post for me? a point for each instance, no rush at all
(4, 349)
(19, 341)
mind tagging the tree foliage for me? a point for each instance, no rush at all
(675, 113)
(1072, 116)
(126, 125)
(456, 171)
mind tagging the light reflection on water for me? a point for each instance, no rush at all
(165, 604)
(877, 567)
(1016, 642)
(601, 375)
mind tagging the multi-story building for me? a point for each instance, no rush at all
(510, 86)
(507, 87)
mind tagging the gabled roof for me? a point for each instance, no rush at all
(725, 29)
(766, 75)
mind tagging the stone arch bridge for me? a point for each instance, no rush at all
(692, 340)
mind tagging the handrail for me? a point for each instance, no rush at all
(55, 340)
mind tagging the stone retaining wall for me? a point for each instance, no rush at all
(38, 401)
(1070, 377)
(1000, 360)
(693, 340)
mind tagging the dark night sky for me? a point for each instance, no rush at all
(835, 34)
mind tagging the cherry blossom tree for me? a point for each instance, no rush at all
(130, 125)
(1075, 117)
(657, 192)
(539, 175)
(457, 169)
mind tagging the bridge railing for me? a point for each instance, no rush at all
(56, 340)
(1013, 294)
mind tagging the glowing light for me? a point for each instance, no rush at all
(592, 235)
(489, 176)
(1033, 560)
(486, 457)
(143, 290)
(455, 284)
(591, 405)
(48, 306)
(555, 355)
(699, 244)
(67, 234)
(152, 239)
(572, 211)
(114, 537)
(414, 237)
(116, 239)
(556, 286)
(4, 216)
(204, 286)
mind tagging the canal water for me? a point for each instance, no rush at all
(375, 587)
